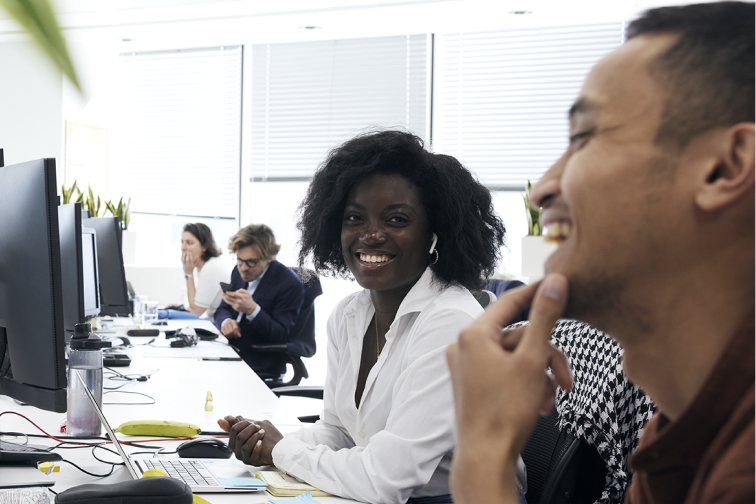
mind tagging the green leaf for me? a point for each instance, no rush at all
(38, 18)
(109, 206)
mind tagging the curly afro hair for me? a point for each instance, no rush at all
(459, 208)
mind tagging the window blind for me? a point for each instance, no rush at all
(182, 134)
(501, 98)
(307, 98)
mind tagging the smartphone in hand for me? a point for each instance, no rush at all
(227, 287)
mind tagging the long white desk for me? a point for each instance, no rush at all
(179, 387)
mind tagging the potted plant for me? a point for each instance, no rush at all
(97, 208)
(535, 249)
(128, 238)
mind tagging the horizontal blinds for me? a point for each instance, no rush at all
(501, 98)
(310, 97)
(183, 111)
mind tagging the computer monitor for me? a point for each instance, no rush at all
(91, 275)
(72, 275)
(2, 158)
(32, 343)
(113, 296)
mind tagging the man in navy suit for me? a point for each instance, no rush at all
(266, 301)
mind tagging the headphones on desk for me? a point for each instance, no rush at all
(186, 337)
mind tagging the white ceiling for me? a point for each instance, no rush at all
(339, 15)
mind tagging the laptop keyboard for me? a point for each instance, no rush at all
(191, 472)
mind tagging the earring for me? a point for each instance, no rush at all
(433, 243)
(433, 248)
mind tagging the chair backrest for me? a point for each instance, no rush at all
(485, 297)
(561, 468)
(302, 340)
(499, 287)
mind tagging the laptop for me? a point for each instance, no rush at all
(202, 475)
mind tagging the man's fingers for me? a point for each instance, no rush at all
(511, 337)
(547, 308)
(508, 305)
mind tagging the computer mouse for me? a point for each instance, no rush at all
(206, 447)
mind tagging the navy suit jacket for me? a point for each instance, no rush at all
(280, 295)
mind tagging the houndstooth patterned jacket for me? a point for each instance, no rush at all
(604, 409)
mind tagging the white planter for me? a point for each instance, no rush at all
(535, 251)
(128, 246)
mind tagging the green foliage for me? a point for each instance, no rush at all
(94, 204)
(67, 193)
(123, 212)
(38, 18)
(533, 214)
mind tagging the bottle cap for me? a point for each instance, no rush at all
(84, 339)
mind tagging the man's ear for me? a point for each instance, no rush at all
(730, 173)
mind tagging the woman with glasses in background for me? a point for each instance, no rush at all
(262, 304)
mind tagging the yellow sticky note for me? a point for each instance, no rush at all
(45, 466)
(196, 499)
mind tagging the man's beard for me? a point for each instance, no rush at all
(598, 302)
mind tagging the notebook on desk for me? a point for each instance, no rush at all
(201, 475)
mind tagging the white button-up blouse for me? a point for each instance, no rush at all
(398, 444)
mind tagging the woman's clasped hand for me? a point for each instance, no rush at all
(251, 441)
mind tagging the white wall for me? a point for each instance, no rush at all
(31, 99)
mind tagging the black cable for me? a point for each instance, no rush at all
(112, 467)
(82, 444)
(53, 491)
(161, 452)
(118, 376)
(94, 448)
(129, 403)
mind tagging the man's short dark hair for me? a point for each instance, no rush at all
(205, 237)
(460, 209)
(708, 72)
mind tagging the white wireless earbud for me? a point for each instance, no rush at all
(433, 245)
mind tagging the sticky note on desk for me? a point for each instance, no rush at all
(242, 482)
(45, 467)
(305, 498)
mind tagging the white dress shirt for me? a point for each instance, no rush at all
(398, 444)
(251, 288)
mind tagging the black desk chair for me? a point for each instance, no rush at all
(302, 341)
(561, 468)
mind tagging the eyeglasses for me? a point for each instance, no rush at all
(249, 263)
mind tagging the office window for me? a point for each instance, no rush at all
(309, 97)
(501, 98)
(181, 136)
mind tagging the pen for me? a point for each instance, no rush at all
(221, 358)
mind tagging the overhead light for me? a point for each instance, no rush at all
(520, 12)
(310, 27)
(127, 40)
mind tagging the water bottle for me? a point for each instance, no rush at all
(84, 357)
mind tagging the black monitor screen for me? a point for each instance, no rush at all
(69, 224)
(89, 273)
(31, 308)
(113, 295)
